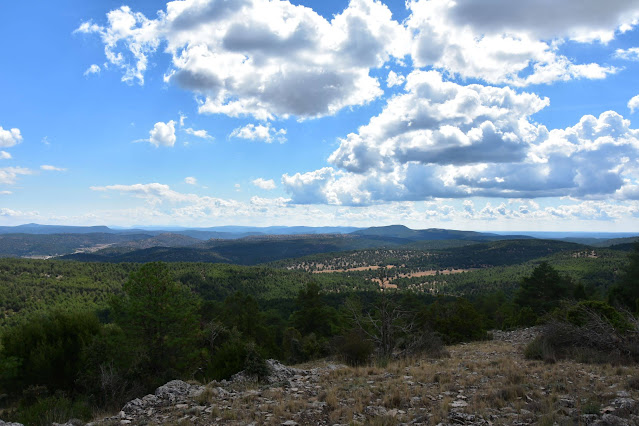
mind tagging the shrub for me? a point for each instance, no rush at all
(58, 409)
(254, 364)
(354, 348)
(426, 343)
(228, 359)
(540, 349)
(580, 314)
(292, 343)
(588, 337)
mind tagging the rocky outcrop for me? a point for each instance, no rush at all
(522, 336)
(3, 423)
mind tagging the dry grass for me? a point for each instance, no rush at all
(490, 379)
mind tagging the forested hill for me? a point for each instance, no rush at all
(245, 251)
(240, 245)
(403, 232)
(31, 245)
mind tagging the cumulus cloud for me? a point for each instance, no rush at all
(631, 54)
(4, 155)
(9, 137)
(260, 132)
(8, 175)
(264, 183)
(93, 69)
(50, 168)
(203, 134)
(633, 104)
(444, 140)
(444, 123)
(163, 134)
(494, 46)
(259, 57)
(586, 21)
(139, 35)
(394, 79)
(271, 59)
(190, 180)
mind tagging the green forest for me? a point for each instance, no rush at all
(88, 337)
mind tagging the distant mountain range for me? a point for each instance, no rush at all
(403, 232)
(222, 232)
(236, 244)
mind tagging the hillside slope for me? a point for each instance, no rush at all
(481, 383)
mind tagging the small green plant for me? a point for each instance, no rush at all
(633, 383)
(540, 349)
(254, 364)
(58, 409)
(591, 408)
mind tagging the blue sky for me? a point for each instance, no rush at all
(512, 116)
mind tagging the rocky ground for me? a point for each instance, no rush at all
(481, 383)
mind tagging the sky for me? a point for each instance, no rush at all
(490, 116)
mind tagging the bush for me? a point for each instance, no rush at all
(540, 349)
(580, 314)
(314, 347)
(46, 411)
(586, 335)
(292, 343)
(354, 348)
(228, 359)
(255, 365)
(426, 343)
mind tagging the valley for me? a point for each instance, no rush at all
(384, 304)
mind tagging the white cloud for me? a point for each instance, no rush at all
(271, 59)
(445, 123)
(264, 184)
(444, 140)
(190, 180)
(8, 175)
(633, 104)
(133, 30)
(93, 69)
(50, 168)
(257, 57)
(585, 21)
(6, 192)
(4, 155)
(260, 132)
(491, 46)
(394, 79)
(198, 133)
(631, 54)
(163, 134)
(9, 138)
